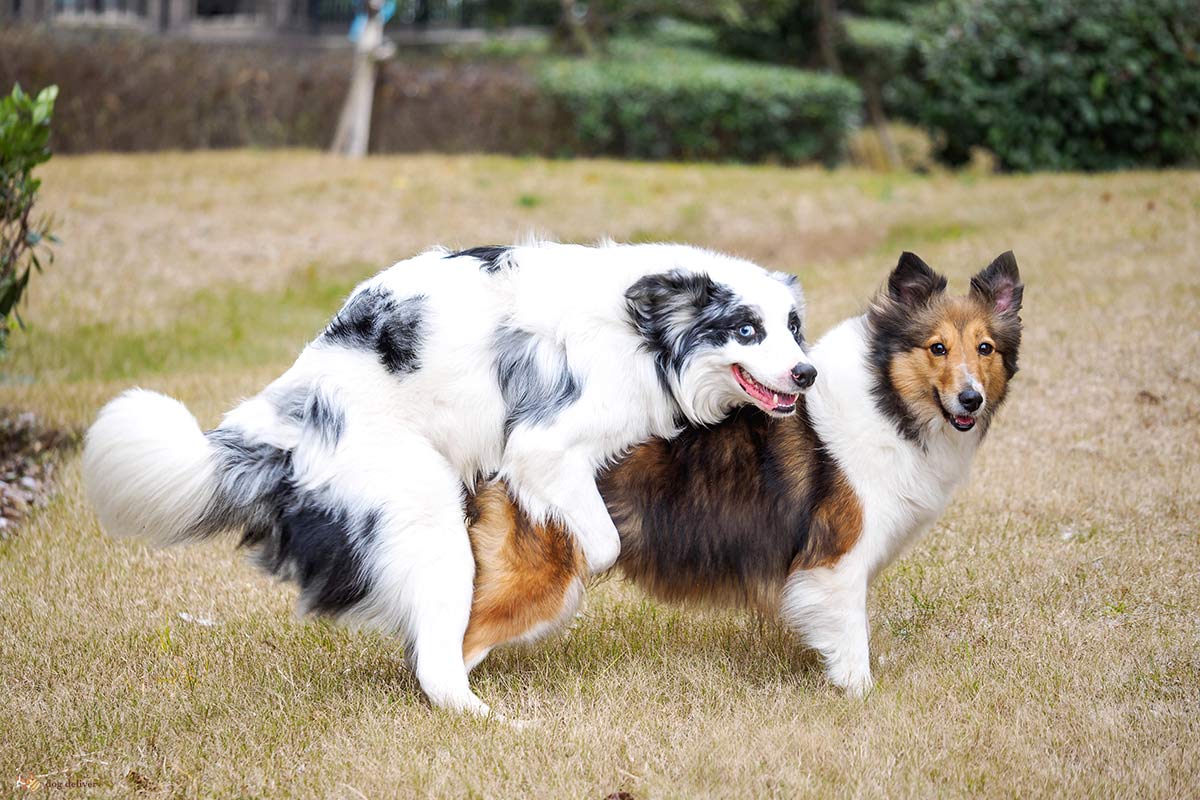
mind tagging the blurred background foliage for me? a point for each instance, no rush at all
(1020, 84)
(25, 236)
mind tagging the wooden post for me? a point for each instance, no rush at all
(573, 32)
(354, 124)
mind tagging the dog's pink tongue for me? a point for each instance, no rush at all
(964, 420)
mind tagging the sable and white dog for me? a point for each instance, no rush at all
(794, 516)
(535, 363)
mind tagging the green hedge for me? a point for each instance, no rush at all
(645, 102)
(1060, 84)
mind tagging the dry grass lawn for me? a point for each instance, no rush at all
(1043, 640)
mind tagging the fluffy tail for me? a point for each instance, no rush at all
(149, 469)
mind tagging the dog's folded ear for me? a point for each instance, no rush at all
(998, 285)
(662, 305)
(913, 282)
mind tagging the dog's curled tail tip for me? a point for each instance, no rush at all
(148, 468)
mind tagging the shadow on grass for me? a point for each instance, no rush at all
(644, 636)
(627, 638)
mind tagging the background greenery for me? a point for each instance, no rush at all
(1056, 84)
(25, 235)
(1062, 84)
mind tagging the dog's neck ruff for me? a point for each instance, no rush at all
(903, 484)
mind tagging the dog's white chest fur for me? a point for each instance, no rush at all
(903, 486)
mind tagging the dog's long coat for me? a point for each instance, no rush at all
(537, 363)
(792, 516)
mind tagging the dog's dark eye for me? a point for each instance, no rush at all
(747, 331)
(985, 349)
(938, 349)
(794, 327)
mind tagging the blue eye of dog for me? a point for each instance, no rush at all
(985, 349)
(746, 331)
(938, 349)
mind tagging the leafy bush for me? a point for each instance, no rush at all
(24, 145)
(1056, 84)
(644, 102)
(785, 31)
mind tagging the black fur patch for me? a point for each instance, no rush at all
(492, 258)
(890, 336)
(375, 320)
(910, 288)
(318, 546)
(678, 312)
(297, 536)
(795, 323)
(248, 474)
(724, 506)
(531, 394)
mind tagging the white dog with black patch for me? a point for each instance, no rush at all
(536, 363)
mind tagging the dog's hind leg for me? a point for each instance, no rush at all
(440, 616)
(422, 571)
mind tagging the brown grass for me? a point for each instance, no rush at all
(1041, 641)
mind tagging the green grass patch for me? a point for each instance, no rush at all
(227, 325)
(917, 234)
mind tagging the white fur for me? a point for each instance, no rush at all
(147, 466)
(904, 486)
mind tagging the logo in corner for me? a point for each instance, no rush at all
(28, 782)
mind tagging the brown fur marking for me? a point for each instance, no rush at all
(523, 572)
(836, 526)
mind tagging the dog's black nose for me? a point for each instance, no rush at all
(804, 375)
(970, 399)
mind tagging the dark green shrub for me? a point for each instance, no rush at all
(24, 145)
(643, 102)
(1055, 84)
(875, 49)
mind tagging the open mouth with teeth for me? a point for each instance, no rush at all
(960, 422)
(767, 399)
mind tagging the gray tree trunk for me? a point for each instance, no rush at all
(354, 124)
(879, 120)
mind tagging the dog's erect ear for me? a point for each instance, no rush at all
(913, 282)
(998, 286)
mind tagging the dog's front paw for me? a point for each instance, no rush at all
(855, 683)
(601, 554)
